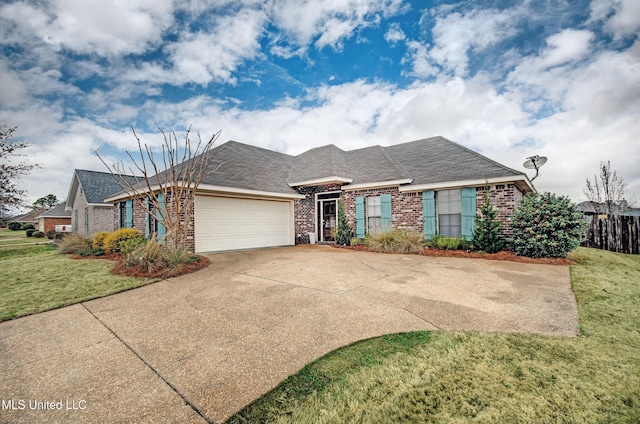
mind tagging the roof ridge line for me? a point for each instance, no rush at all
(395, 164)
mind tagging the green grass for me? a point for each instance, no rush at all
(37, 278)
(10, 237)
(446, 377)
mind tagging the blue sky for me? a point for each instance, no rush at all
(508, 79)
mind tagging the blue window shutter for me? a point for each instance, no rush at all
(162, 230)
(429, 214)
(147, 218)
(468, 211)
(128, 213)
(385, 214)
(360, 217)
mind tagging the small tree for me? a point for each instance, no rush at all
(606, 191)
(48, 201)
(546, 226)
(486, 234)
(10, 172)
(343, 230)
(167, 194)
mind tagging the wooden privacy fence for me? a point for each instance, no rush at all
(614, 232)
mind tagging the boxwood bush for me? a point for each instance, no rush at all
(38, 234)
(27, 226)
(546, 226)
(30, 232)
(14, 226)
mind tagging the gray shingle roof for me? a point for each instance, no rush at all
(56, 212)
(436, 159)
(320, 162)
(425, 161)
(97, 186)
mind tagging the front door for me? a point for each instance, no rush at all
(327, 219)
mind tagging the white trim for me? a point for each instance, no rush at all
(243, 191)
(325, 180)
(317, 212)
(379, 184)
(218, 189)
(469, 183)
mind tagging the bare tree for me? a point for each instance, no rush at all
(10, 171)
(606, 191)
(165, 190)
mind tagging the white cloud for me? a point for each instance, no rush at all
(621, 17)
(394, 34)
(330, 21)
(92, 26)
(204, 57)
(456, 34)
(568, 45)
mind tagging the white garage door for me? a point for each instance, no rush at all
(227, 223)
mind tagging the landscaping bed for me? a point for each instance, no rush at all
(503, 255)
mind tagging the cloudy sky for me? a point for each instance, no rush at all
(509, 79)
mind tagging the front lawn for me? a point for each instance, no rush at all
(37, 278)
(456, 377)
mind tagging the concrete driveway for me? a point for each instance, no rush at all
(199, 347)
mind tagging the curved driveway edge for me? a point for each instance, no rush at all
(197, 348)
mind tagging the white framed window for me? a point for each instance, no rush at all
(449, 205)
(374, 214)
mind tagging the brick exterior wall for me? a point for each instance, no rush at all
(406, 208)
(100, 217)
(505, 199)
(305, 211)
(48, 224)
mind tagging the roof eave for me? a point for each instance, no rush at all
(319, 181)
(521, 181)
(377, 184)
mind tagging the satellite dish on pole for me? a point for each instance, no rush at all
(535, 162)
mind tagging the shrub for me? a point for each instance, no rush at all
(30, 232)
(98, 239)
(174, 258)
(14, 226)
(447, 243)
(355, 241)
(38, 234)
(546, 226)
(73, 242)
(28, 226)
(396, 241)
(111, 242)
(51, 234)
(90, 252)
(486, 234)
(129, 245)
(343, 230)
(150, 256)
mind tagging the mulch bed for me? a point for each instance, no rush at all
(137, 271)
(500, 256)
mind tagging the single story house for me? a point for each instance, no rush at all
(262, 198)
(56, 216)
(29, 217)
(85, 201)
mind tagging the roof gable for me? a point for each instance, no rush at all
(96, 186)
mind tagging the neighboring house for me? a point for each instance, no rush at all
(593, 208)
(28, 218)
(49, 219)
(261, 198)
(85, 200)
